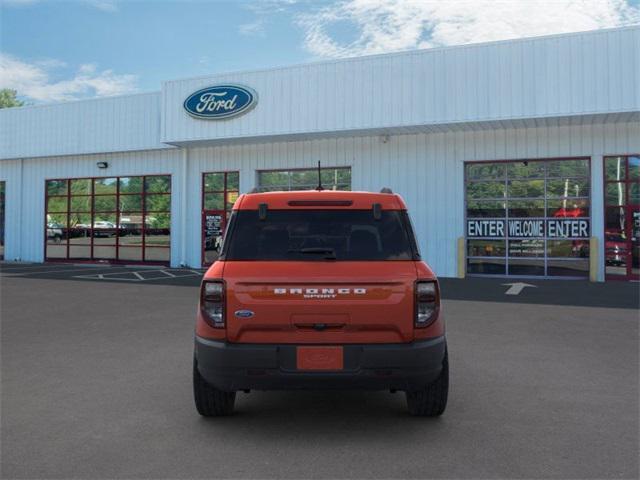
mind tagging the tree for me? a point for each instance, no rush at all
(8, 98)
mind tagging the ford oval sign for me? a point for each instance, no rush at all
(220, 102)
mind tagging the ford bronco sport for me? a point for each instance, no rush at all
(320, 289)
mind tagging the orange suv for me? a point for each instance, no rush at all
(320, 289)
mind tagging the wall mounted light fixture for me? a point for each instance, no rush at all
(102, 165)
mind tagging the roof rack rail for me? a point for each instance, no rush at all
(386, 190)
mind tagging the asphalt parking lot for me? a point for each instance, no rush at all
(96, 384)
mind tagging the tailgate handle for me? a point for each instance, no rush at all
(319, 327)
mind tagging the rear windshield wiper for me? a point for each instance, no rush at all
(330, 253)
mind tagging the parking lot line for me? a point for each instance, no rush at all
(3, 272)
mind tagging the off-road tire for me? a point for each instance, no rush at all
(211, 402)
(432, 401)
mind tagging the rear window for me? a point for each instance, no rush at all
(319, 235)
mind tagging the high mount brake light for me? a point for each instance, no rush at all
(212, 300)
(427, 303)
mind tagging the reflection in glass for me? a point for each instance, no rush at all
(130, 185)
(486, 266)
(569, 187)
(80, 220)
(615, 194)
(526, 189)
(130, 238)
(158, 203)
(104, 252)
(158, 184)
(634, 168)
(526, 248)
(568, 208)
(486, 248)
(105, 186)
(568, 248)
(485, 190)
(614, 168)
(81, 204)
(526, 267)
(568, 268)
(568, 168)
(57, 204)
(81, 186)
(56, 250)
(159, 237)
(156, 254)
(214, 182)
(80, 252)
(214, 201)
(526, 208)
(56, 220)
(105, 203)
(526, 169)
(56, 187)
(615, 219)
(634, 194)
(104, 220)
(233, 181)
(133, 254)
(130, 203)
(485, 171)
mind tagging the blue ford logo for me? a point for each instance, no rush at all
(220, 101)
(244, 313)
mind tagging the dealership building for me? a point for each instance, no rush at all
(516, 158)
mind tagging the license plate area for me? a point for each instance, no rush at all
(319, 358)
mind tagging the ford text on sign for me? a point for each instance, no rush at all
(220, 102)
(524, 228)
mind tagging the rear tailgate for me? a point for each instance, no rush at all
(320, 302)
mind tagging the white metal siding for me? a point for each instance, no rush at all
(558, 76)
(113, 124)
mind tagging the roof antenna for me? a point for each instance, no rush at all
(320, 187)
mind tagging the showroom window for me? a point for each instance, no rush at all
(528, 218)
(622, 217)
(220, 190)
(2, 187)
(124, 219)
(304, 179)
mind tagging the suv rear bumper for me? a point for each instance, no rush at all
(403, 366)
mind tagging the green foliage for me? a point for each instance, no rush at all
(8, 98)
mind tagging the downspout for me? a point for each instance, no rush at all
(184, 209)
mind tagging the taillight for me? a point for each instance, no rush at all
(427, 303)
(212, 302)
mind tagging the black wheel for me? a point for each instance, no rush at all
(432, 401)
(211, 402)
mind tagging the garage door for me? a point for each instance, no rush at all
(115, 219)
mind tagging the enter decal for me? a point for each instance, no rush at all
(528, 228)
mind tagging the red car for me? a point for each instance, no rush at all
(320, 289)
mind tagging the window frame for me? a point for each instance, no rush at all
(117, 213)
(225, 210)
(628, 207)
(506, 199)
(301, 169)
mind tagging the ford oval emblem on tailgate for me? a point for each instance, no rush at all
(244, 313)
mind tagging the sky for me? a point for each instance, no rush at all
(55, 50)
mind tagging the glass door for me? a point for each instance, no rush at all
(219, 193)
(622, 217)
